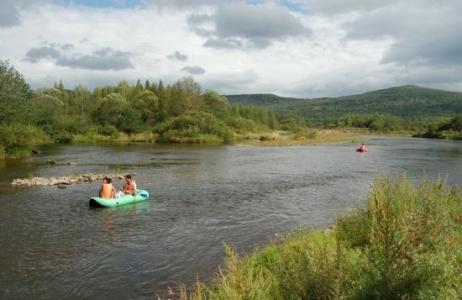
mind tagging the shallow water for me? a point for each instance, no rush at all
(54, 246)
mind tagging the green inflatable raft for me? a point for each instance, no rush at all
(141, 195)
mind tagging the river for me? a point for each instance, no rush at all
(53, 246)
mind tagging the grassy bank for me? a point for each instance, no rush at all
(405, 244)
(303, 137)
(18, 140)
(119, 138)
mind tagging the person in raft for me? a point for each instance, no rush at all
(107, 190)
(129, 187)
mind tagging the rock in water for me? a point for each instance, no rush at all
(63, 180)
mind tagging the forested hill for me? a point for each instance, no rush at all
(405, 101)
(262, 99)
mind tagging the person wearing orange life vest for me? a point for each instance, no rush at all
(107, 190)
(129, 187)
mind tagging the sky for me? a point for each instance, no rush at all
(297, 48)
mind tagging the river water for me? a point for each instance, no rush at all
(53, 246)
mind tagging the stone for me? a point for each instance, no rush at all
(63, 180)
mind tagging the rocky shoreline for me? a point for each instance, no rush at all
(63, 181)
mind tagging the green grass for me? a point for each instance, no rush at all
(304, 136)
(119, 138)
(405, 244)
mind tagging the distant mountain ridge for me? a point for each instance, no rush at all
(407, 101)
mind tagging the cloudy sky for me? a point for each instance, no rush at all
(304, 48)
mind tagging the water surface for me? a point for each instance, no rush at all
(54, 246)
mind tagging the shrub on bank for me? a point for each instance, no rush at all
(242, 125)
(16, 140)
(108, 130)
(195, 127)
(304, 133)
(444, 129)
(405, 244)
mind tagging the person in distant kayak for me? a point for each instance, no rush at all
(362, 147)
(129, 187)
(107, 190)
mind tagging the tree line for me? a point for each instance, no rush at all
(180, 112)
(428, 127)
(421, 111)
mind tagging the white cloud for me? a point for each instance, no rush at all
(193, 70)
(10, 11)
(178, 56)
(247, 26)
(351, 48)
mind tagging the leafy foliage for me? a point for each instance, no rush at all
(16, 140)
(180, 112)
(404, 245)
(444, 129)
(195, 127)
(15, 95)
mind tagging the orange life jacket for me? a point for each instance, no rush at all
(106, 191)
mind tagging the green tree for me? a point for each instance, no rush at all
(216, 104)
(15, 95)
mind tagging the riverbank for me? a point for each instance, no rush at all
(307, 137)
(264, 138)
(405, 244)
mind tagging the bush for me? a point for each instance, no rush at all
(195, 127)
(410, 249)
(17, 140)
(63, 137)
(2, 152)
(384, 123)
(108, 130)
(303, 133)
(73, 124)
(404, 245)
(444, 129)
(242, 125)
(264, 138)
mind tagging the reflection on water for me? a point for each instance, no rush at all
(54, 246)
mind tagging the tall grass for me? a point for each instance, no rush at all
(405, 244)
